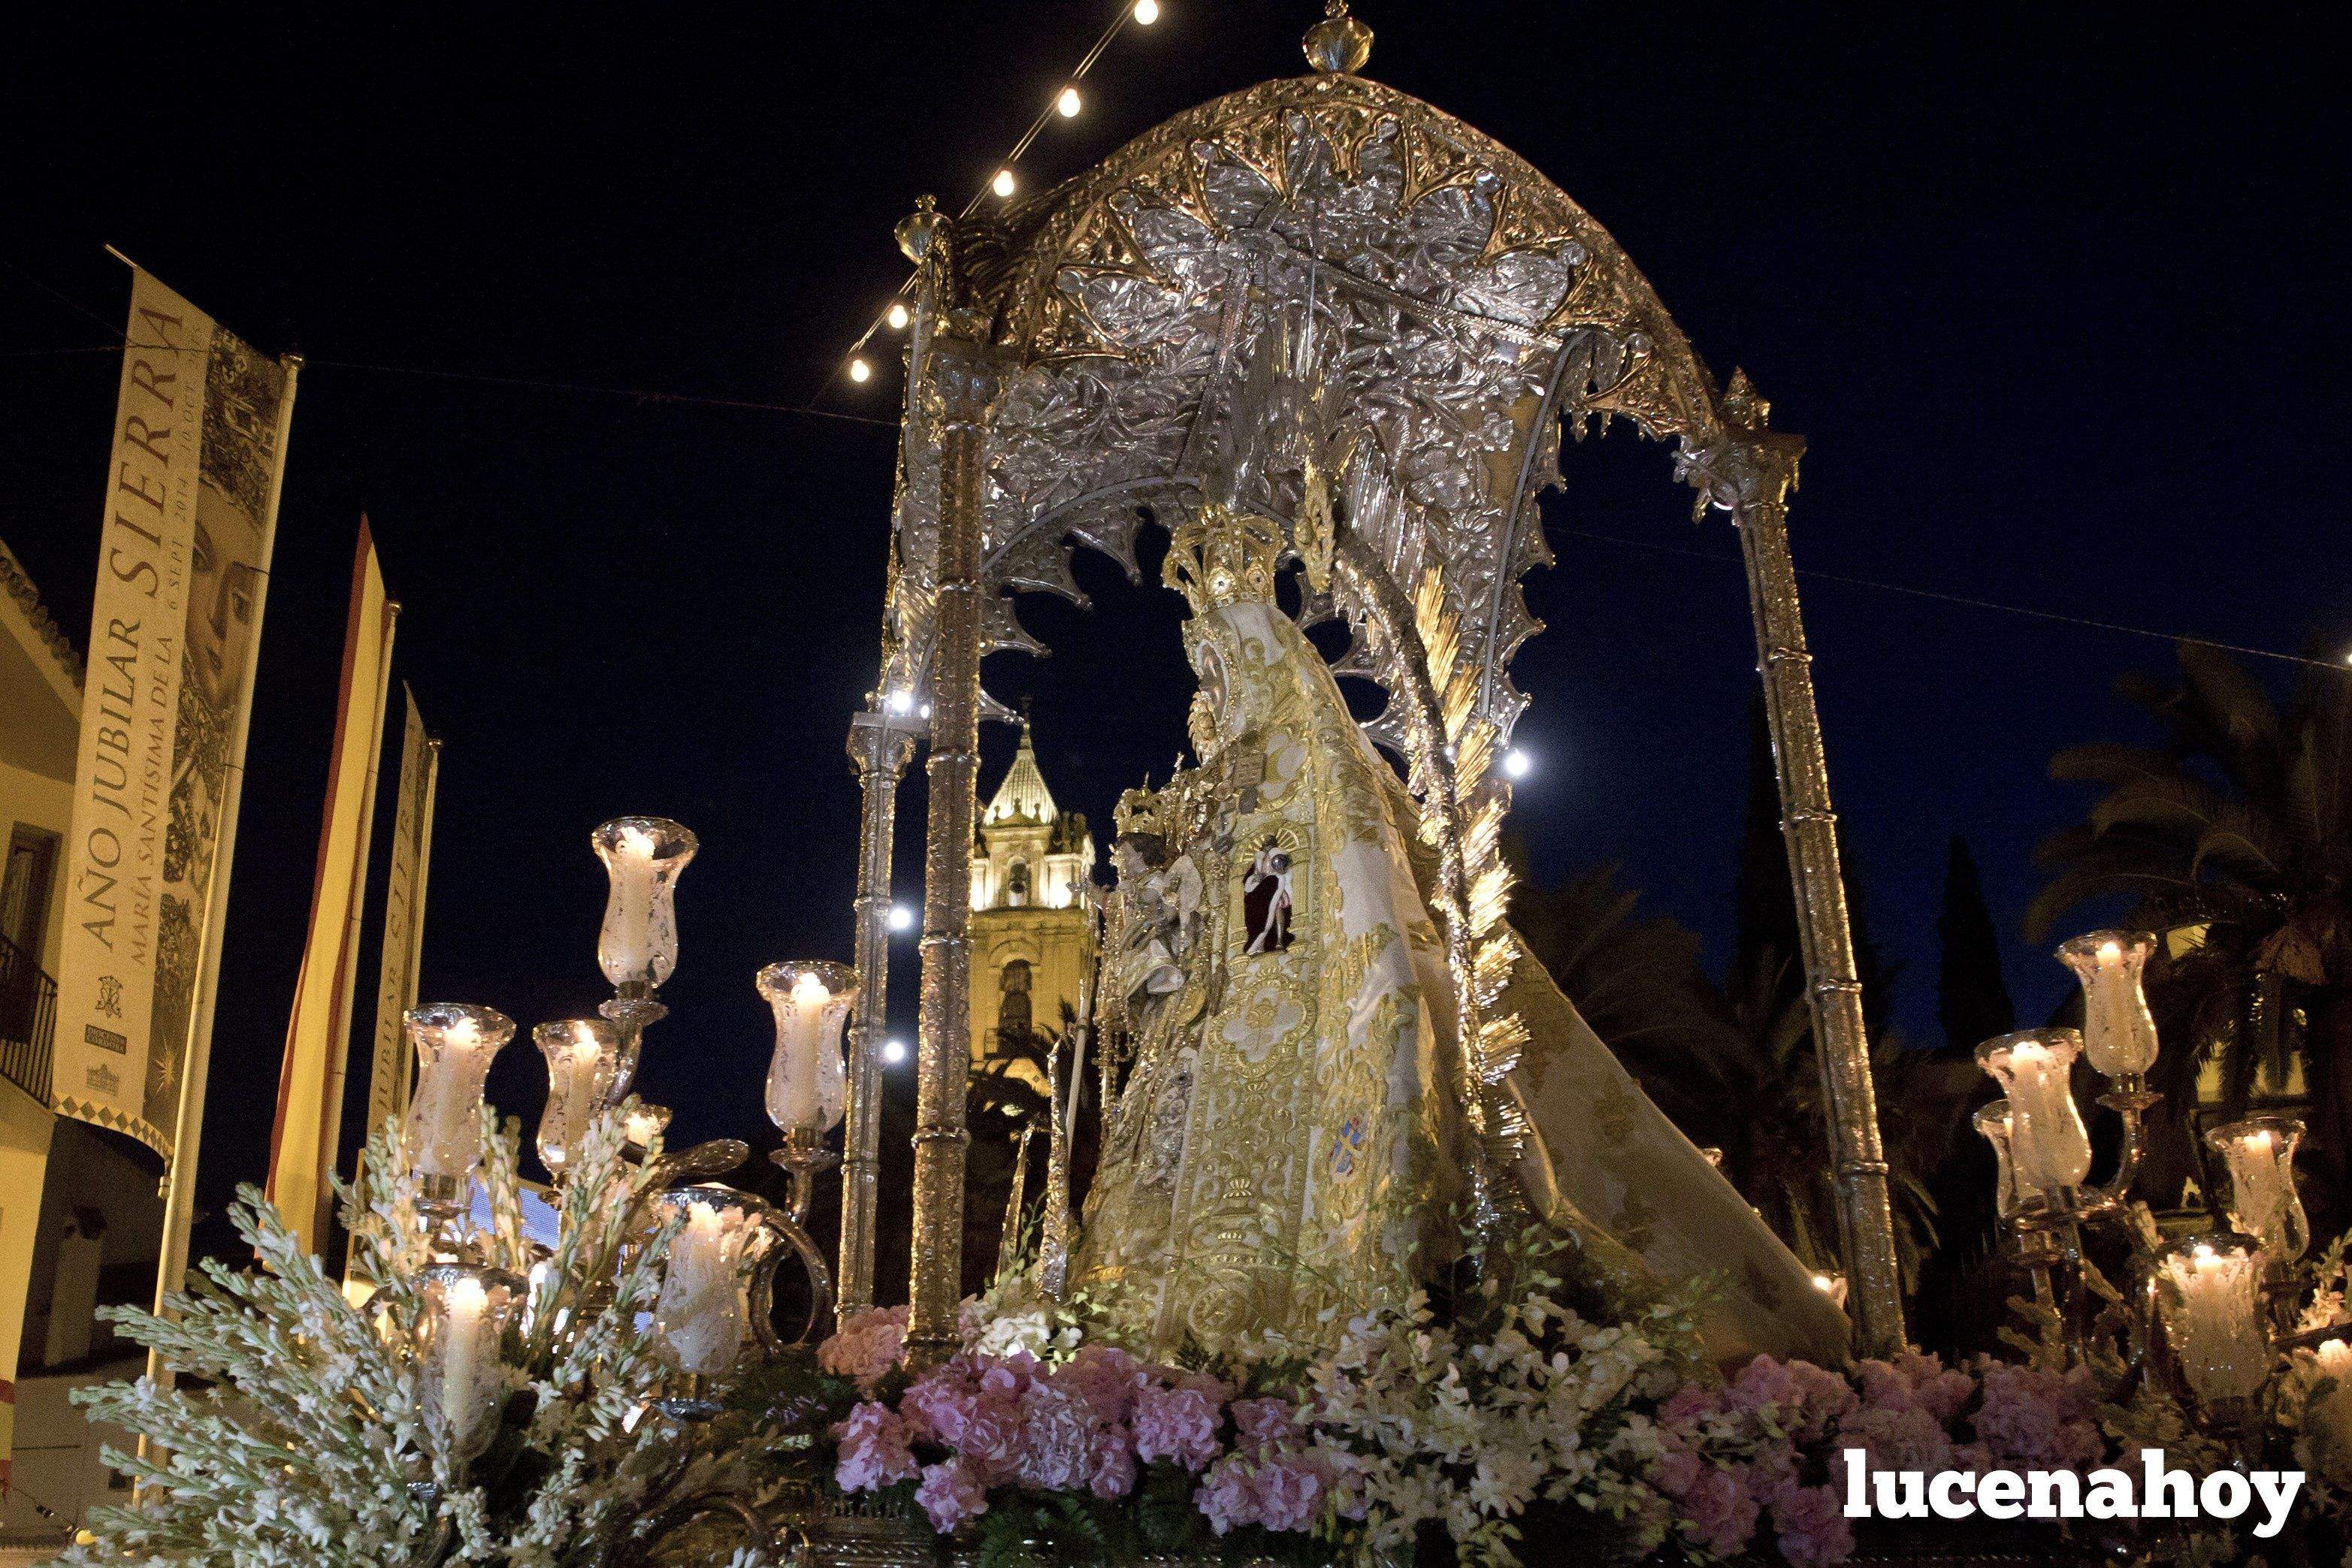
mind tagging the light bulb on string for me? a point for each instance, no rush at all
(901, 918)
(1517, 764)
(1147, 12)
(898, 317)
(1002, 183)
(894, 1051)
(859, 370)
(1068, 103)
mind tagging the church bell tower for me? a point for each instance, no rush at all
(1033, 946)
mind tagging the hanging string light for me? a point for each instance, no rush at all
(1064, 105)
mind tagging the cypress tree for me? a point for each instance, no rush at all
(1972, 1001)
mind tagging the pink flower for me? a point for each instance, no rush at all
(2033, 1419)
(950, 1493)
(1176, 1424)
(1056, 1448)
(874, 1451)
(1114, 1464)
(1279, 1489)
(1289, 1490)
(937, 1404)
(1809, 1528)
(1687, 1403)
(865, 1345)
(1717, 1512)
(1262, 1421)
(1108, 1376)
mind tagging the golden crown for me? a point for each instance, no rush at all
(1219, 556)
(1139, 811)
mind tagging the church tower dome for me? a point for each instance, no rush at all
(1033, 930)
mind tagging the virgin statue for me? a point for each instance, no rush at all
(1286, 1151)
(1282, 1141)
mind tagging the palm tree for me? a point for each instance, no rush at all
(2233, 838)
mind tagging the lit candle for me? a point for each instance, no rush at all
(699, 1319)
(582, 1054)
(2119, 1030)
(642, 1125)
(2048, 1145)
(2259, 1153)
(455, 1044)
(806, 1087)
(643, 857)
(467, 1310)
(2212, 1317)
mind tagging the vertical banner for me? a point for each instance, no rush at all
(403, 917)
(309, 1127)
(184, 561)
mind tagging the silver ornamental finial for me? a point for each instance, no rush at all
(916, 230)
(1339, 45)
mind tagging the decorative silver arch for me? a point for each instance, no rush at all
(1100, 351)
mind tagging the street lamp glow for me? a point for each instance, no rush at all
(901, 918)
(1002, 183)
(859, 370)
(1147, 12)
(1068, 103)
(898, 317)
(894, 1051)
(1517, 764)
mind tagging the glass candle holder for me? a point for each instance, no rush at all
(2208, 1289)
(2048, 1145)
(582, 1055)
(460, 1336)
(454, 1043)
(2264, 1204)
(807, 1090)
(2011, 1193)
(702, 1316)
(2119, 1031)
(643, 857)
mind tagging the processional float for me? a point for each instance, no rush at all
(1416, 313)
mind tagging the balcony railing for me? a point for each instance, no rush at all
(28, 1021)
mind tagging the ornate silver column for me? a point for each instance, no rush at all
(880, 746)
(1751, 478)
(961, 380)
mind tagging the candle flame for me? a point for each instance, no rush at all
(468, 1298)
(2110, 951)
(637, 842)
(808, 991)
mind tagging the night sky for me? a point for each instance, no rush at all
(2047, 288)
